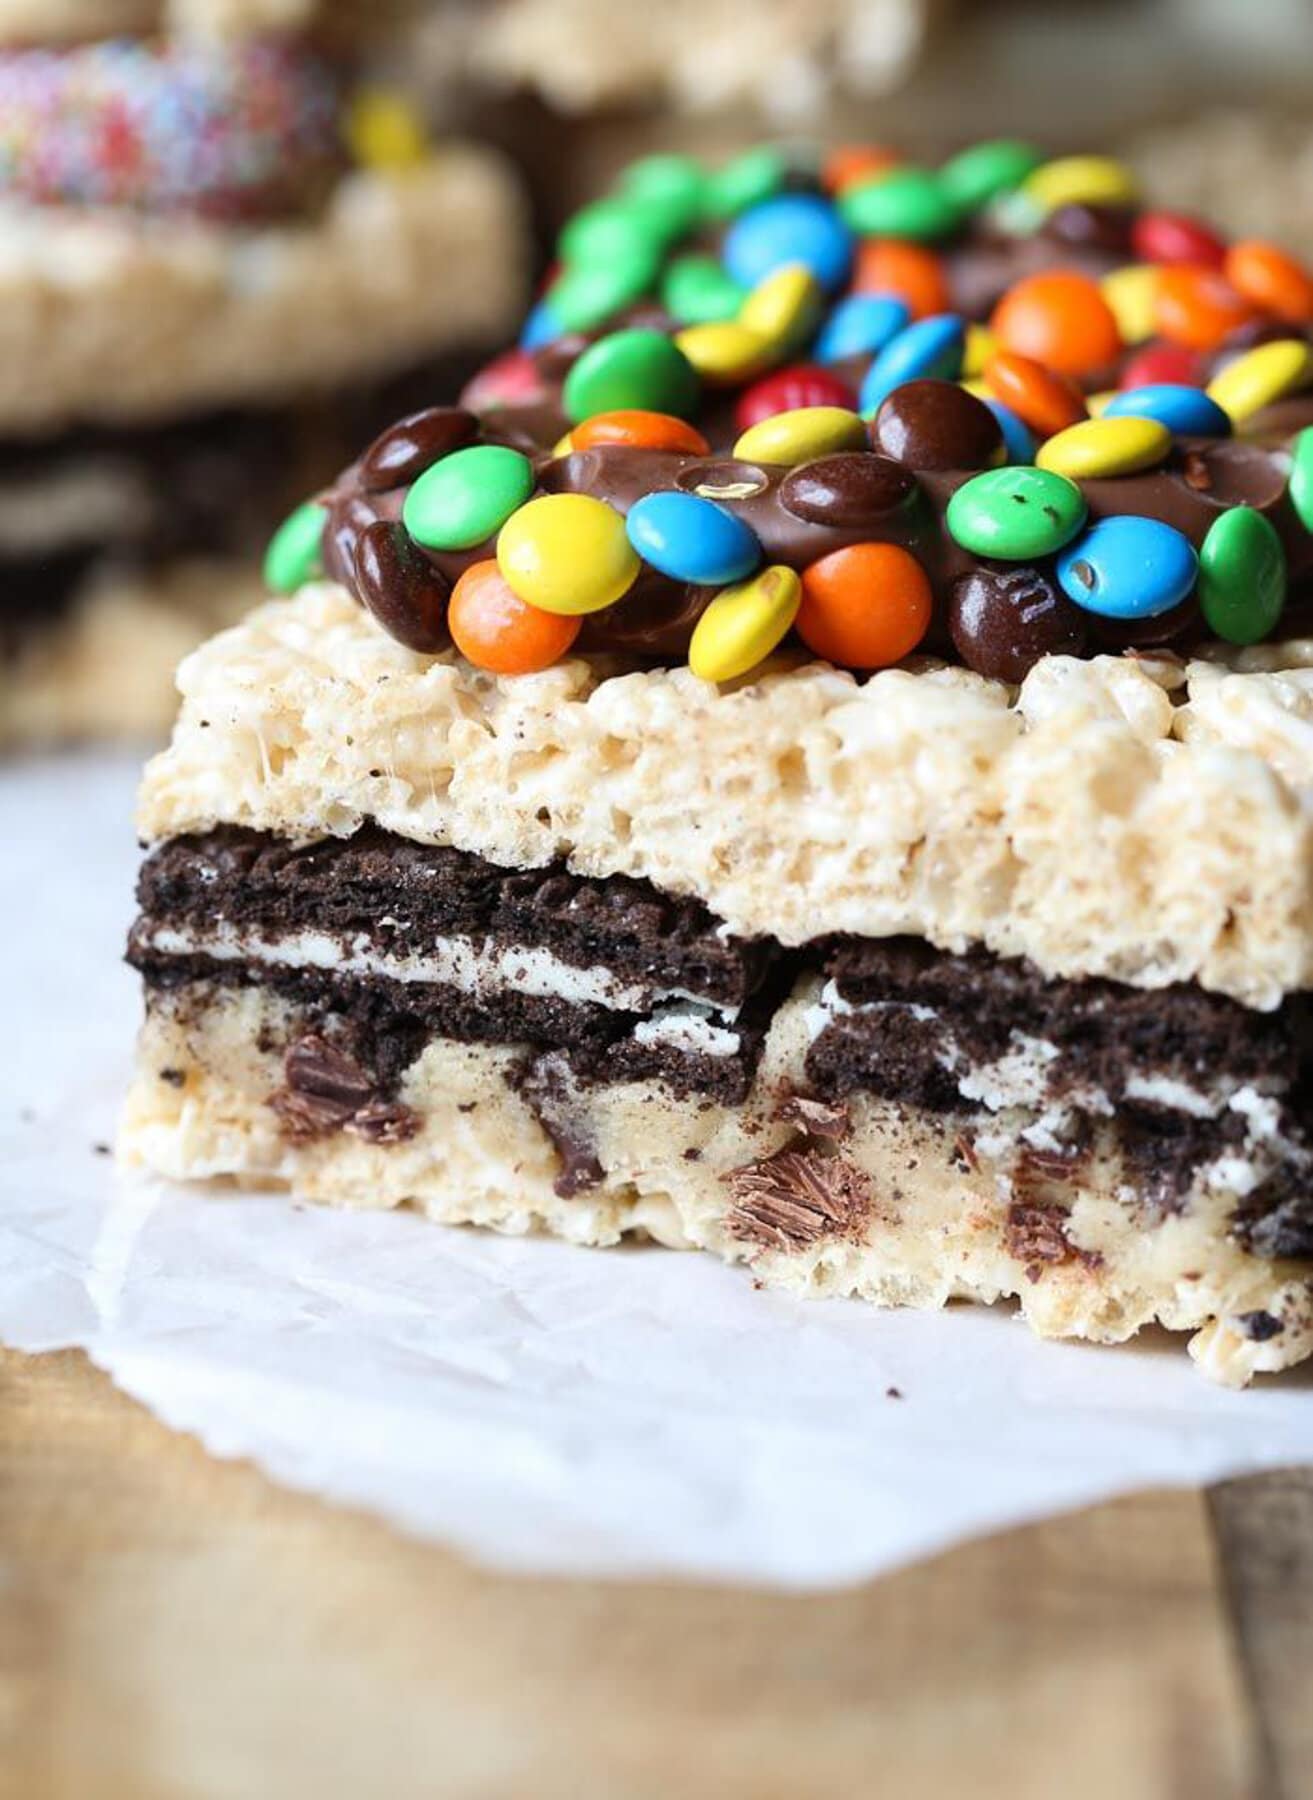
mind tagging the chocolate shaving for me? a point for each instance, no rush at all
(795, 1198)
(384, 1122)
(826, 1119)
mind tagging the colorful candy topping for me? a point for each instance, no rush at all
(993, 411)
(230, 132)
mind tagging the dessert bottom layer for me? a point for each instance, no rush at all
(381, 1023)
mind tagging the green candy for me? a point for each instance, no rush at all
(905, 203)
(1301, 477)
(294, 554)
(671, 186)
(467, 497)
(609, 231)
(587, 293)
(631, 368)
(1242, 576)
(1015, 513)
(696, 290)
(750, 178)
(973, 178)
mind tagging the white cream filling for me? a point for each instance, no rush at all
(90, 501)
(688, 1028)
(479, 968)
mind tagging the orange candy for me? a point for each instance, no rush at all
(1060, 319)
(1266, 275)
(913, 273)
(496, 630)
(855, 162)
(1045, 401)
(639, 430)
(1198, 307)
(864, 607)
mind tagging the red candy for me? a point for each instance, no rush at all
(1265, 274)
(1169, 237)
(511, 376)
(1160, 361)
(1060, 319)
(800, 384)
(1198, 307)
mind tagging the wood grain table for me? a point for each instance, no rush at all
(171, 1626)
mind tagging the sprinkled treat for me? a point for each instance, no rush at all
(232, 132)
(970, 366)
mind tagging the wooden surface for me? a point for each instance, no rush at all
(171, 1626)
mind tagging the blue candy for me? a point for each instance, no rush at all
(692, 539)
(541, 327)
(1018, 439)
(930, 347)
(1128, 568)
(1186, 411)
(792, 228)
(860, 326)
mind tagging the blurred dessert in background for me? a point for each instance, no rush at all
(222, 256)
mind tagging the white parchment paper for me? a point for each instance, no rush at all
(538, 1406)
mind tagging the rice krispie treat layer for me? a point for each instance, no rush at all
(114, 317)
(1123, 817)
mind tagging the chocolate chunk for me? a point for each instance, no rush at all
(1259, 1327)
(1003, 620)
(795, 1198)
(405, 593)
(1035, 1232)
(547, 1087)
(323, 1088)
(846, 491)
(937, 425)
(828, 1119)
(402, 453)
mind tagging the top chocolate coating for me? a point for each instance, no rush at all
(927, 438)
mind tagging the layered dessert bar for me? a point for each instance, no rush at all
(226, 258)
(808, 760)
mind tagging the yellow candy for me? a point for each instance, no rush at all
(1261, 376)
(567, 553)
(980, 346)
(384, 131)
(744, 623)
(798, 436)
(1080, 180)
(563, 445)
(724, 350)
(1098, 403)
(1132, 293)
(1098, 447)
(784, 308)
(981, 389)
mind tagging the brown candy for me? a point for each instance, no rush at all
(931, 424)
(1092, 226)
(405, 593)
(1003, 620)
(403, 452)
(846, 491)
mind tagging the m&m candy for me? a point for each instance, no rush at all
(1016, 514)
(865, 606)
(567, 553)
(494, 629)
(294, 554)
(1059, 319)
(631, 369)
(467, 496)
(791, 228)
(744, 624)
(691, 538)
(1242, 576)
(929, 347)
(1186, 411)
(801, 435)
(1126, 567)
